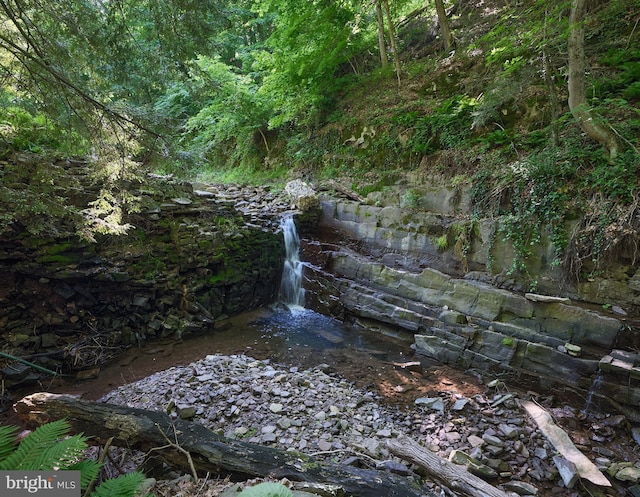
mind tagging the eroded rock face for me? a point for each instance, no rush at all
(406, 277)
(192, 256)
(434, 227)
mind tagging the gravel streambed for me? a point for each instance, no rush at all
(328, 417)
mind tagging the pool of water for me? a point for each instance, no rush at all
(304, 336)
(296, 337)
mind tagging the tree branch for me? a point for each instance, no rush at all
(23, 55)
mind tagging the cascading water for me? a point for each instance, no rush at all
(291, 291)
(595, 386)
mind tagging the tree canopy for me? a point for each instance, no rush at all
(221, 81)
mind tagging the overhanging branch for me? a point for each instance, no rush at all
(22, 56)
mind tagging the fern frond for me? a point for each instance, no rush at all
(8, 441)
(123, 486)
(89, 470)
(61, 455)
(34, 444)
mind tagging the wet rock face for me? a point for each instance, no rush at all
(192, 256)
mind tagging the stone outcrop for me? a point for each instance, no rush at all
(404, 276)
(192, 254)
(434, 226)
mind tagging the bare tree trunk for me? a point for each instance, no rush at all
(553, 93)
(381, 43)
(451, 475)
(581, 111)
(394, 47)
(447, 38)
(553, 97)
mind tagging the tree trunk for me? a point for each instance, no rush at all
(144, 430)
(553, 98)
(447, 38)
(553, 93)
(382, 46)
(451, 475)
(581, 111)
(392, 37)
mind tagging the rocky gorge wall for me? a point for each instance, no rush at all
(194, 255)
(419, 272)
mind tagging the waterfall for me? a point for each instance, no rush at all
(291, 291)
(595, 386)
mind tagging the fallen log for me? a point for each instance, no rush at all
(145, 430)
(563, 444)
(450, 475)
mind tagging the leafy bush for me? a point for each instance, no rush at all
(411, 199)
(618, 181)
(532, 194)
(51, 447)
(623, 75)
(22, 129)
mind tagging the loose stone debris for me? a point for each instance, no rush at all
(328, 417)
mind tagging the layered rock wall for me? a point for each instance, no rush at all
(193, 256)
(404, 276)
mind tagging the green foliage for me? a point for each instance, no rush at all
(51, 447)
(534, 195)
(234, 110)
(623, 75)
(24, 129)
(519, 37)
(411, 199)
(442, 242)
(45, 448)
(38, 208)
(508, 342)
(309, 43)
(375, 184)
(244, 91)
(126, 485)
(8, 441)
(266, 489)
(447, 127)
(618, 181)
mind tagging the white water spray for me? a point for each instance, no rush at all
(291, 291)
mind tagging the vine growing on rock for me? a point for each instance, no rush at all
(532, 196)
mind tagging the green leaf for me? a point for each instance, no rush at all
(33, 451)
(61, 454)
(8, 441)
(89, 470)
(266, 489)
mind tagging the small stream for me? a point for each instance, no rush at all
(286, 332)
(302, 339)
